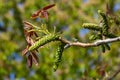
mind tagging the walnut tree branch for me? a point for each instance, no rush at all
(115, 74)
(94, 44)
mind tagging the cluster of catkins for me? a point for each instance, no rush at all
(34, 42)
(102, 30)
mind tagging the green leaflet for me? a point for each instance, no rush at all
(93, 37)
(44, 40)
(58, 55)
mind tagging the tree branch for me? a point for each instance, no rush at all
(115, 74)
(94, 44)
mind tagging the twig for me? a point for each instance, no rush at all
(94, 44)
(115, 74)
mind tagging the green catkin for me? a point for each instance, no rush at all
(44, 40)
(91, 26)
(105, 22)
(109, 35)
(103, 48)
(107, 46)
(58, 55)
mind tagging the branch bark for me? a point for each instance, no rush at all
(94, 44)
(115, 74)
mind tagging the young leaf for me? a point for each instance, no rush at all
(42, 12)
(29, 61)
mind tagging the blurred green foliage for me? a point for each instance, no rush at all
(67, 16)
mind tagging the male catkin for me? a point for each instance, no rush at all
(92, 26)
(105, 22)
(44, 40)
(58, 55)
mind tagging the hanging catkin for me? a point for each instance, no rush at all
(58, 55)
